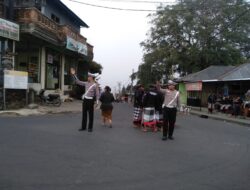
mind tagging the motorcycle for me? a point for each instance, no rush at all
(50, 99)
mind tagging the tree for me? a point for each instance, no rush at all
(95, 67)
(194, 34)
(123, 91)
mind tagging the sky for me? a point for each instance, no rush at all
(116, 36)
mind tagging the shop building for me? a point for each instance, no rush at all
(50, 43)
(9, 36)
(225, 81)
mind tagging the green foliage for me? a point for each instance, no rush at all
(194, 34)
(95, 67)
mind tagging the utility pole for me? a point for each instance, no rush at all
(132, 81)
(119, 87)
(131, 86)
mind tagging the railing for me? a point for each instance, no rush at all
(90, 51)
(69, 31)
(33, 15)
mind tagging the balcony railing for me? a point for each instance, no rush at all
(33, 15)
(69, 31)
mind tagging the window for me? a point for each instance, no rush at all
(55, 18)
(30, 62)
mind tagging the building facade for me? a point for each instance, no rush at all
(50, 43)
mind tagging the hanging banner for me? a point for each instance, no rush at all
(197, 86)
(76, 46)
(9, 30)
(15, 79)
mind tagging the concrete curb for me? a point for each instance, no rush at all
(66, 107)
(37, 113)
(227, 119)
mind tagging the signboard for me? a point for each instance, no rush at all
(74, 45)
(197, 86)
(9, 30)
(15, 79)
(50, 58)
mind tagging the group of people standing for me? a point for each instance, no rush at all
(159, 101)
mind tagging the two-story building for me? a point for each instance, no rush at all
(50, 43)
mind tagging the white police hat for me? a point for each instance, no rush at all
(170, 82)
(94, 75)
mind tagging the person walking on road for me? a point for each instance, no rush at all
(91, 94)
(106, 100)
(170, 104)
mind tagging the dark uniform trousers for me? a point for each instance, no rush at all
(169, 118)
(87, 110)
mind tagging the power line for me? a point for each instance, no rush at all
(113, 8)
(135, 1)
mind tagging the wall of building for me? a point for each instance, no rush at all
(183, 93)
(51, 8)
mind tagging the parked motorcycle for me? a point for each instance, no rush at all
(50, 99)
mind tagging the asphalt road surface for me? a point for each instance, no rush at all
(49, 153)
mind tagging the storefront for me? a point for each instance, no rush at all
(194, 93)
(9, 34)
(48, 65)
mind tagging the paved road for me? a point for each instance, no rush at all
(48, 153)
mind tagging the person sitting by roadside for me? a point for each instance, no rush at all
(226, 106)
(218, 102)
(247, 99)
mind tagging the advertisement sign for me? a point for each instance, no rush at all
(9, 30)
(197, 86)
(74, 45)
(50, 58)
(15, 79)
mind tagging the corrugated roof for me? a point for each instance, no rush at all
(212, 73)
(242, 72)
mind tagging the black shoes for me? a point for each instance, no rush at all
(84, 129)
(81, 129)
(89, 130)
(164, 138)
(171, 138)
